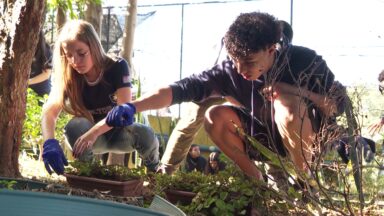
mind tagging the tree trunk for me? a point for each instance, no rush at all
(61, 18)
(93, 14)
(129, 32)
(20, 24)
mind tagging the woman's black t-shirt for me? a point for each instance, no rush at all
(100, 98)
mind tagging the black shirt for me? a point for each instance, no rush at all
(100, 98)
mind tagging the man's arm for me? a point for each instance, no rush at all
(156, 99)
(327, 105)
(196, 88)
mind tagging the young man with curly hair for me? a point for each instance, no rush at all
(188, 125)
(283, 92)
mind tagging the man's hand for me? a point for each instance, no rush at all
(53, 156)
(121, 115)
(376, 127)
(278, 89)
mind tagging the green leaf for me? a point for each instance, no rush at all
(199, 207)
(293, 192)
(220, 204)
(248, 192)
(209, 202)
(223, 195)
(273, 157)
(215, 211)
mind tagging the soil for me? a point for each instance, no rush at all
(91, 194)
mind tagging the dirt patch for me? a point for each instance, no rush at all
(137, 201)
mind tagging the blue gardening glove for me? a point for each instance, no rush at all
(53, 156)
(121, 115)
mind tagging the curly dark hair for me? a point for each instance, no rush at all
(286, 29)
(251, 33)
(381, 76)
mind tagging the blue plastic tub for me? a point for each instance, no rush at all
(21, 203)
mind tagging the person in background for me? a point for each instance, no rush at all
(39, 77)
(189, 124)
(282, 92)
(88, 84)
(377, 126)
(182, 136)
(195, 161)
(214, 164)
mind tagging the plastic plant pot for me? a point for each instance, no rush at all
(131, 188)
(179, 196)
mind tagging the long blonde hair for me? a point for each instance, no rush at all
(67, 84)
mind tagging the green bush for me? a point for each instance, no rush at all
(32, 137)
(110, 172)
(230, 192)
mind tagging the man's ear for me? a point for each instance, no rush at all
(272, 49)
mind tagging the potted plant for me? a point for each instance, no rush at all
(115, 179)
(20, 196)
(228, 192)
(181, 187)
(231, 192)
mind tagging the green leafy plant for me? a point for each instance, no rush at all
(183, 181)
(32, 137)
(8, 184)
(230, 192)
(110, 172)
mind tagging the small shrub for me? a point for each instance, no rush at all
(32, 137)
(184, 181)
(110, 172)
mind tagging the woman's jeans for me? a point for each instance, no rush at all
(118, 140)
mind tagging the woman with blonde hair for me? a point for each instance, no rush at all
(87, 84)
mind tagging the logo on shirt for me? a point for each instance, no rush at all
(126, 79)
(101, 110)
